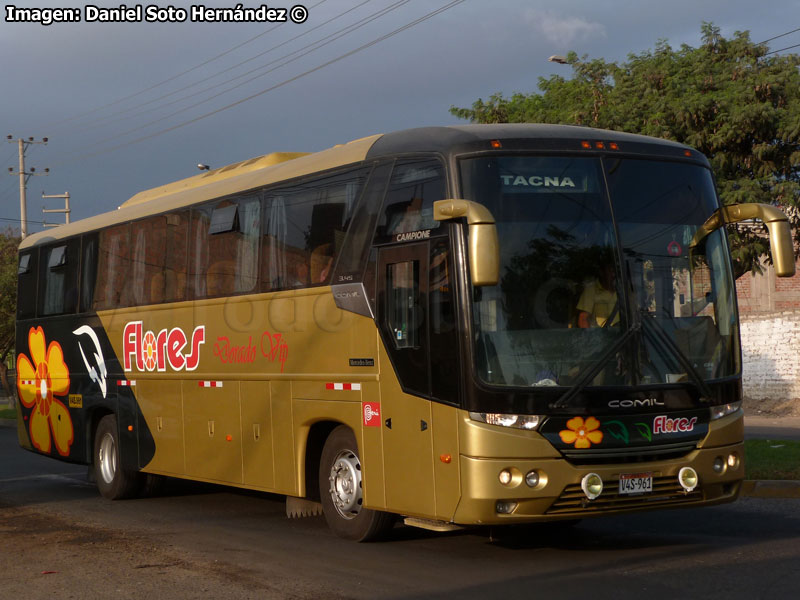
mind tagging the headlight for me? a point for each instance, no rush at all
(717, 412)
(529, 422)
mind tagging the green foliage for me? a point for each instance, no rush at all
(727, 98)
(8, 296)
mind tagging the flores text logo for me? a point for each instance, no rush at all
(663, 424)
(153, 351)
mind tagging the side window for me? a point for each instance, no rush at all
(224, 245)
(149, 244)
(27, 276)
(88, 271)
(408, 207)
(177, 254)
(58, 279)
(304, 229)
(112, 286)
(442, 335)
(402, 282)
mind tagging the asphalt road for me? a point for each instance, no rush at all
(199, 541)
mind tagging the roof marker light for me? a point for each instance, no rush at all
(599, 145)
(496, 144)
(687, 153)
(613, 145)
(586, 145)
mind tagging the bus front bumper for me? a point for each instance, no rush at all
(486, 499)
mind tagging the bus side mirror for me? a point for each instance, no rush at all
(484, 250)
(780, 233)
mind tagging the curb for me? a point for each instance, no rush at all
(771, 489)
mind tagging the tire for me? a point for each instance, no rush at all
(112, 481)
(340, 491)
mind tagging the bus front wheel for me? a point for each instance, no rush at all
(341, 490)
(113, 482)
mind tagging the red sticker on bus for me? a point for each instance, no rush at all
(372, 414)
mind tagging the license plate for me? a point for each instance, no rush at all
(635, 483)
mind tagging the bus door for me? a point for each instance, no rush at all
(402, 301)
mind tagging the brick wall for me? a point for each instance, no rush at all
(766, 293)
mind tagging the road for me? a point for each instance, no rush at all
(201, 541)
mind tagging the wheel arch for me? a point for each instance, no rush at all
(311, 453)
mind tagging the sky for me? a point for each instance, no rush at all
(130, 106)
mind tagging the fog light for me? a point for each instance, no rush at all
(505, 477)
(592, 485)
(688, 479)
(532, 478)
(733, 460)
(719, 465)
(505, 507)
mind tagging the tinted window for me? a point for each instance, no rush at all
(304, 228)
(26, 284)
(414, 187)
(225, 239)
(113, 269)
(58, 281)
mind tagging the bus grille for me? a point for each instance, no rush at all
(628, 455)
(666, 491)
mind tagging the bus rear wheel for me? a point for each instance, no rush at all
(341, 491)
(113, 482)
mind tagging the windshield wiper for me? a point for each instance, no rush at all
(598, 366)
(659, 333)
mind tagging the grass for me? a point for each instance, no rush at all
(770, 459)
(8, 413)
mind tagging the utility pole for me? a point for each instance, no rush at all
(23, 179)
(64, 210)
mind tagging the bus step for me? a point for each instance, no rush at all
(431, 525)
(301, 507)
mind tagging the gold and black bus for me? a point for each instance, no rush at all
(484, 324)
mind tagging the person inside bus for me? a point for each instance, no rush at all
(598, 305)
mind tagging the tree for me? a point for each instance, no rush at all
(8, 301)
(729, 98)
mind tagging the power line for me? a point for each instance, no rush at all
(290, 80)
(219, 73)
(782, 49)
(778, 36)
(309, 49)
(278, 85)
(181, 74)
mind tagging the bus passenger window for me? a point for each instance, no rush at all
(59, 279)
(402, 282)
(26, 284)
(149, 252)
(113, 268)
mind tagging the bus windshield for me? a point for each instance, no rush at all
(598, 283)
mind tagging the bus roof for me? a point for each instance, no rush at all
(281, 166)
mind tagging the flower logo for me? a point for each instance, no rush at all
(38, 383)
(582, 433)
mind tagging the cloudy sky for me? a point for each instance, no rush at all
(129, 106)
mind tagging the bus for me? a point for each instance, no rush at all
(452, 326)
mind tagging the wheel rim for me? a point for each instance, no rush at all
(345, 480)
(107, 458)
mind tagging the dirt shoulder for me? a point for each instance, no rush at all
(46, 557)
(768, 407)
